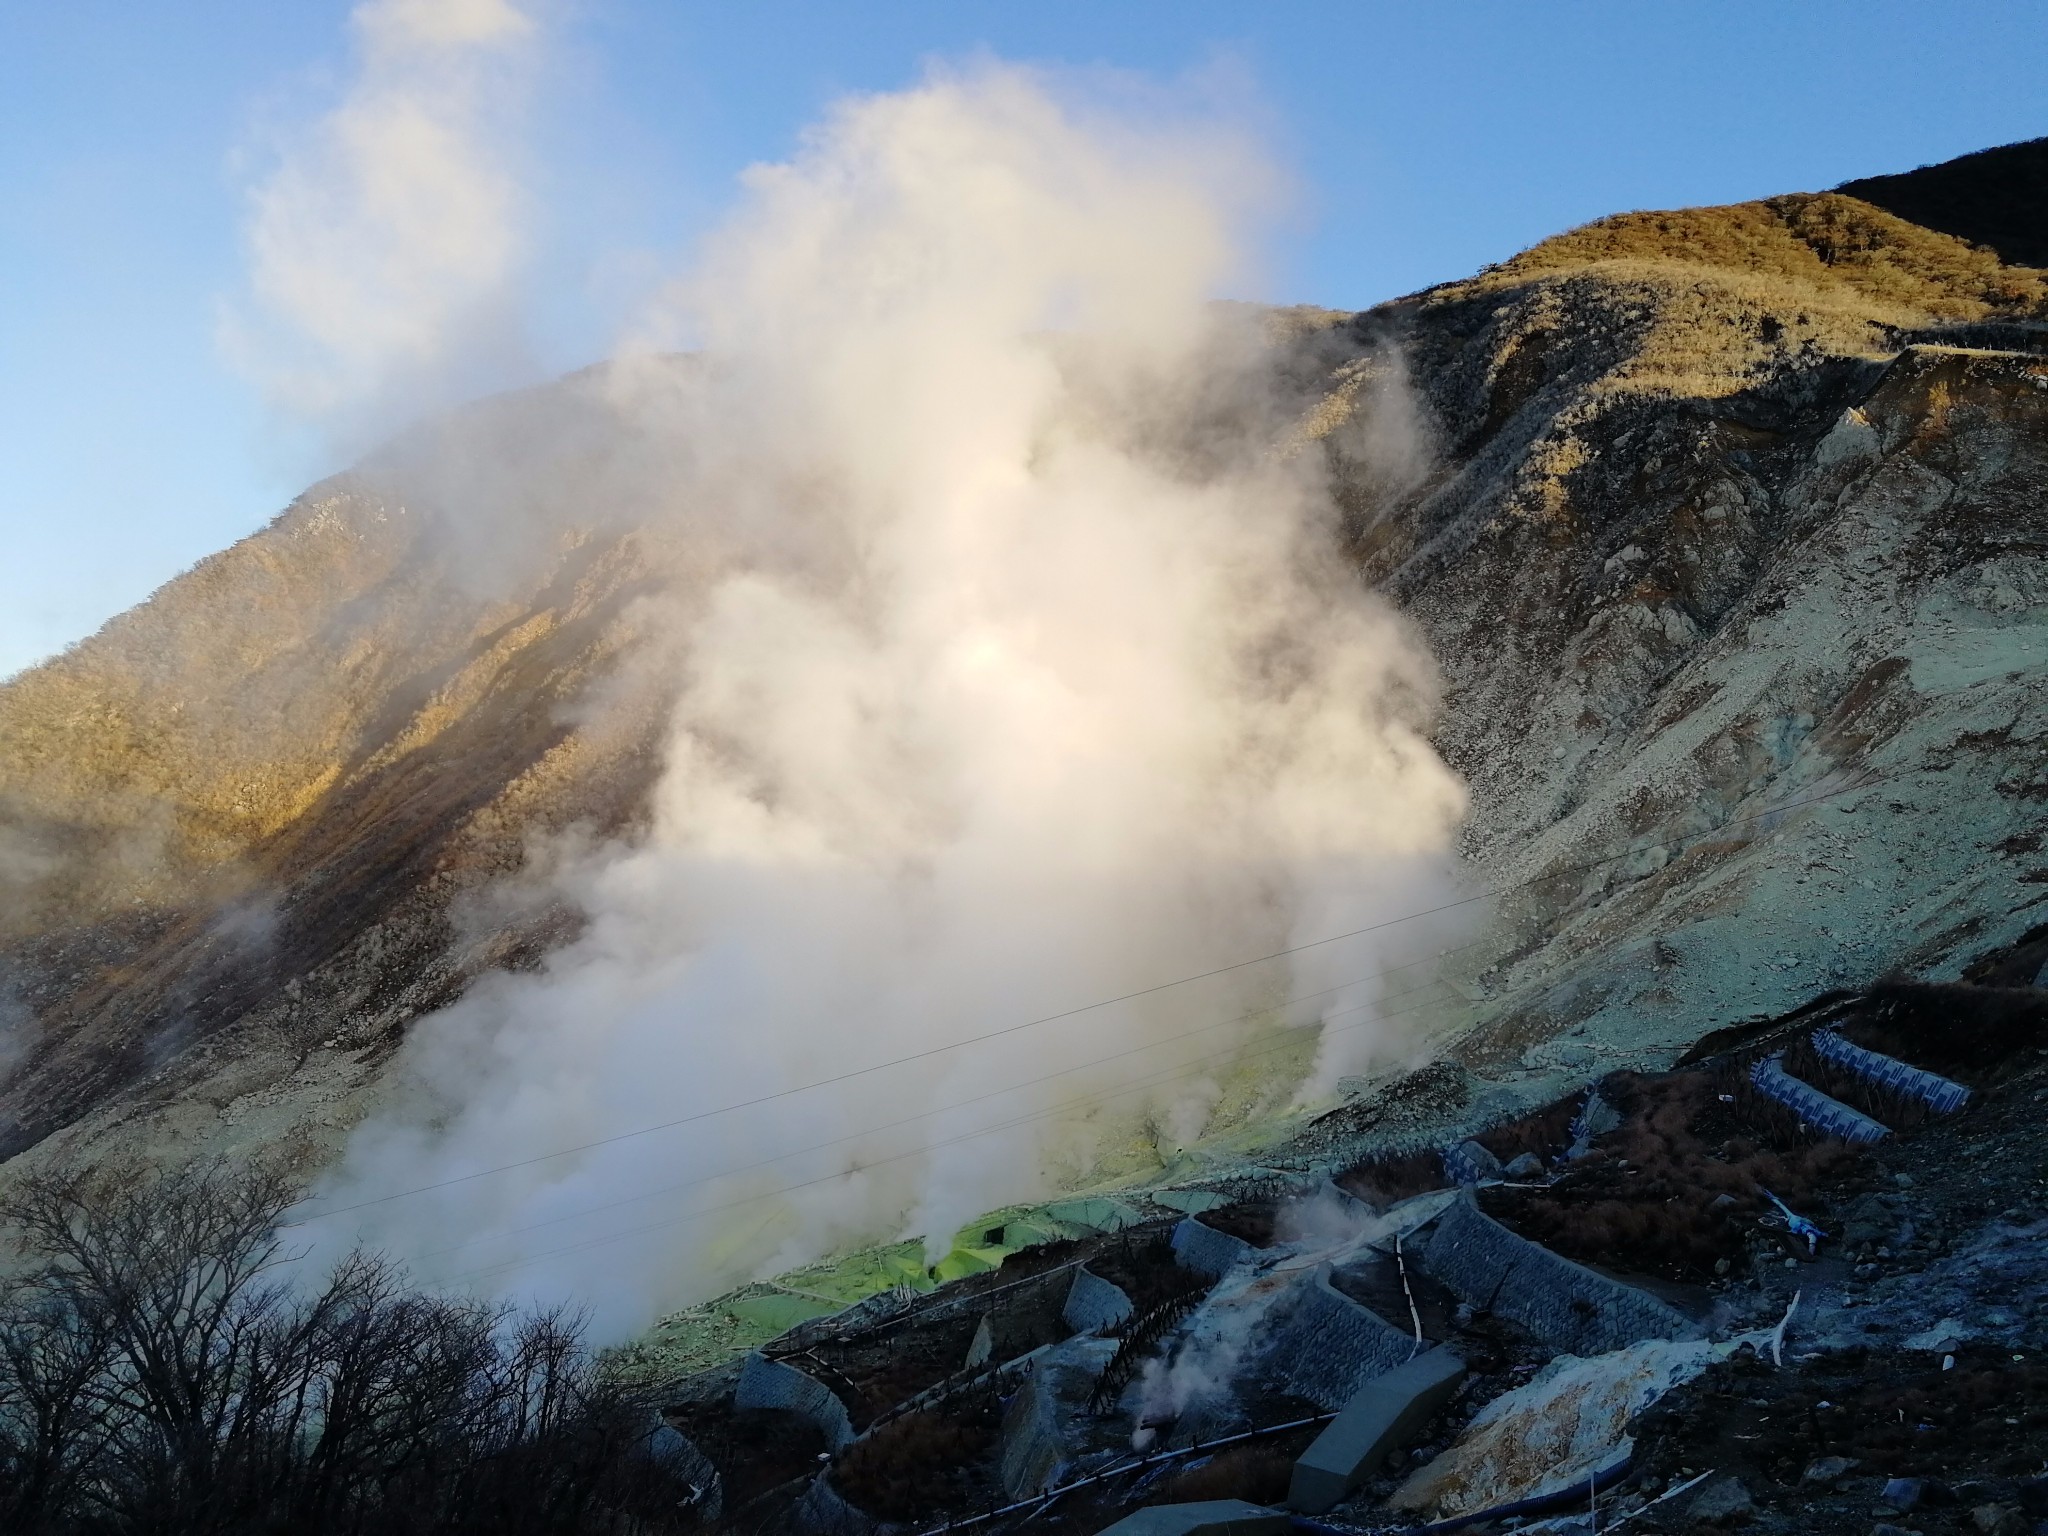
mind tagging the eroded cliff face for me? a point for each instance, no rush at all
(1732, 547)
(1734, 567)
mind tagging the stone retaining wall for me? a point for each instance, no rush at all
(1567, 1305)
(824, 1512)
(1039, 1426)
(1326, 1346)
(766, 1383)
(675, 1453)
(1094, 1305)
(1929, 1088)
(1206, 1251)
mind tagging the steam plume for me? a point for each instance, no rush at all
(385, 243)
(1013, 670)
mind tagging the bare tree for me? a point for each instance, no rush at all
(159, 1372)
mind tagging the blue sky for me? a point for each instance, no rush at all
(1428, 139)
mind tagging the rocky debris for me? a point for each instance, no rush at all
(1566, 1429)
(1721, 1502)
(1829, 1470)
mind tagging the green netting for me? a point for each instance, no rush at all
(1095, 1214)
(1189, 1201)
(969, 1261)
(1029, 1234)
(860, 1275)
(780, 1310)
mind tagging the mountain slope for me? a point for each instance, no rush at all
(1729, 510)
(1996, 198)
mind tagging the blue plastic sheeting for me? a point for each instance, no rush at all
(1829, 1116)
(1469, 1163)
(1930, 1088)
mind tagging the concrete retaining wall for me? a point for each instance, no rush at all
(1206, 1251)
(1382, 1416)
(1327, 1346)
(1469, 1163)
(1829, 1116)
(675, 1453)
(1094, 1305)
(1930, 1088)
(1567, 1305)
(766, 1383)
(1212, 1517)
(1038, 1439)
(822, 1511)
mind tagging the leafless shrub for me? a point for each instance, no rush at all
(159, 1372)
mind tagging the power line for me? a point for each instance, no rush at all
(1142, 1086)
(1866, 782)
(946, 1109)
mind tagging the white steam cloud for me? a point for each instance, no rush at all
(1013, 670)
(386, 242)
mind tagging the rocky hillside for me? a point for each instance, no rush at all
(1734, 560)
(1732, 546)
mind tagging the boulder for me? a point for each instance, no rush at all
(1721, 1502)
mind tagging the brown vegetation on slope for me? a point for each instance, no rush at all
(1996, 198)
(1821, 240)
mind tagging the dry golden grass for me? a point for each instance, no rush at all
(1821, 240)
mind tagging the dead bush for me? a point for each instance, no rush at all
(923, 1463)
(1386, 1181)
(159, 1372)
(1970, 1033)
(1680, 1184)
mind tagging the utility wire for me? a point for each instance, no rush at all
(1865, 782)
(946, 1109)
(1142, 1086)
(1240, 1018)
